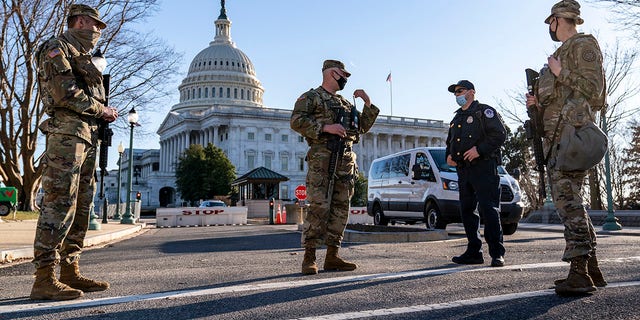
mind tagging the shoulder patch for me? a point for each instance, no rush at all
(54, 53)
(489, 113)
(589, 55)
(302, 97)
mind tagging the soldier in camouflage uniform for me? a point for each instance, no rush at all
(73, 96)
(571, 89)
(325, 118)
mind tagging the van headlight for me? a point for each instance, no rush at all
(449, 185)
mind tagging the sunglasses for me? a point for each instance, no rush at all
(461, 90)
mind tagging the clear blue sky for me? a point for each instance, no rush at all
(425, 44)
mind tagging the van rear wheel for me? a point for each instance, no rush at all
(433, 218)
(378, 217)
(5, 209)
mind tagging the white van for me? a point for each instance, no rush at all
(418, 185)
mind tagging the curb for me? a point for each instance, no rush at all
(10, 255)
(381, 237)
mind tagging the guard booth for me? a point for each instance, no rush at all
(255, 188)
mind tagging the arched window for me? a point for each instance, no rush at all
(206, 92)
(213, 92)
(199, 93)
(220, 92)
(242, 94)
(235, 93)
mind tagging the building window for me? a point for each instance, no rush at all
(155, 166)
(284, 163)
(251, 161)
(206, 92)
(301, 163)
(235, 93)
(242, 94)
(199, 93)
(251, 136)
(228, 92)
(213, 92)
(300, 139)
(220, 93)
(284, 192)
(267, 161)
(267, 137)
(285, 138)
(193, 93)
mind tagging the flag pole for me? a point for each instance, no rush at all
(390, 90)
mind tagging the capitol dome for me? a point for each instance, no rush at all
(221, 74)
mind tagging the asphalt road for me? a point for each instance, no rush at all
(252, 272)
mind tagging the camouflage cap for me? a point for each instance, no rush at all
(569, 9)
(85, 10)
(335, 64)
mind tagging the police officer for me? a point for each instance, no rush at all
(571, 89)
(73, 97)
(476, 134)
(331, 125)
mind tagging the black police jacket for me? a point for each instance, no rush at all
(480, 126)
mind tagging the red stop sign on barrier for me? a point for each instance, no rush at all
(301, 192)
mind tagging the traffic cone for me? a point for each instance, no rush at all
(278, 215)
(284, 215)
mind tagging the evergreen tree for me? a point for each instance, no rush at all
(359, 198)
(632, 159)
(203, 173)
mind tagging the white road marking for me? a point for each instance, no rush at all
(54, 305)
(448, 305)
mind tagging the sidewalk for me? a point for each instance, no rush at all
(16, 237)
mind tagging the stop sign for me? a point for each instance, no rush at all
(301, 192)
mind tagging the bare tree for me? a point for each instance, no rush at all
(626, 13)
(140, 65)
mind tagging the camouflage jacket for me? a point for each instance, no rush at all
(317, 107)
(71, 89)
(579, 90)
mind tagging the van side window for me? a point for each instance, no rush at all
(422, 169)
(400, 166)
(380, 170)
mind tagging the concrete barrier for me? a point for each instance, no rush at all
(358, 215)
(185, 217)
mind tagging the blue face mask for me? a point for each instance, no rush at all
(461, 100)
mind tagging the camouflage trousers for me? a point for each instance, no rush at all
(327, 216)
(579, 234)
(69, 186)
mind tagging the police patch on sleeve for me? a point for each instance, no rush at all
(489, 113)
(589, 55)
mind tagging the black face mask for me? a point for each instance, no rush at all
(342, 81)
(554, 34)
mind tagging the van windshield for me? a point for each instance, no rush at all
(441, 161)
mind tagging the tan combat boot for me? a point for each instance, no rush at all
(594, 273)
(47, 286)
(70, 275)
(309, 265)
(334, 262)
(578, 281)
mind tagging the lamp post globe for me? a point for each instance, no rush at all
(127, 218)
(117, 217)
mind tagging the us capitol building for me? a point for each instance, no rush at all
(221, 103)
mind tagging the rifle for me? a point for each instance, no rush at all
(336, 146)
(534, 131)
(104, 134)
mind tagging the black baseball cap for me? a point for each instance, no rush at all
(462, 83)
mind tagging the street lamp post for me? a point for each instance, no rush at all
(127, 218)
(117, 217)
(610, 222)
